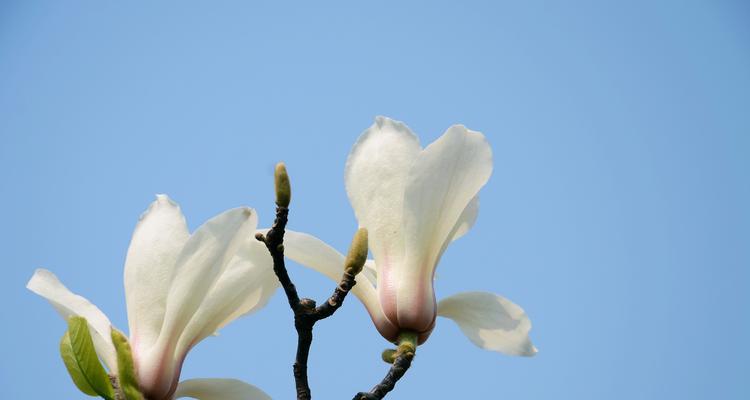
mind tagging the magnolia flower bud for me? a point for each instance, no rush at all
(357, 256)
(283, 188)
(127, 378)
(389, 355)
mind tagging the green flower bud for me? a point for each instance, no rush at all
(357, 256)
(283, 187)
(389, 355)
(126, 368)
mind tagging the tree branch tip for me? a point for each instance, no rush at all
(260, 237)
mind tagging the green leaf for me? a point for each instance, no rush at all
(78, 354)
(66, 351)
(128, 379)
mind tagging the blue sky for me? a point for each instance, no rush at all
(617, 214)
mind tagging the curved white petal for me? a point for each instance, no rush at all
(466, 220)
(201, 262)
(445, 178)
(67, 303)
(246, 286)
(203, 259)
(370, 272)
(490, 321)
(375, 176)
(463, 225)
(219, 389)
(315, 254)
(159, 236)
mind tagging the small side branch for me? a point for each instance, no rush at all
(337, 298)
(306, 314)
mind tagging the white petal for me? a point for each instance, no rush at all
(370, 272)
(314, 253)
(463, 225)
(442, 182)
(375, 176)
(203, 259)
(67, 303)
(201, 262)
(157, 240)
(246, 286)
(466, 220)
(490, 321)
(219, 389)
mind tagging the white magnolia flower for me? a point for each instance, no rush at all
(179, 289)
(414, 202)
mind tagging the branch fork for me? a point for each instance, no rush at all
(306, 313)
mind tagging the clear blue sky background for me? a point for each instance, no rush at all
(617, 215)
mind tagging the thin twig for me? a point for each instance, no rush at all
(401, 363)
(337, 298)
(274, 241)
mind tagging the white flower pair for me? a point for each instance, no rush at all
(181, 288)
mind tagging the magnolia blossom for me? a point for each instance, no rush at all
(414, 202)
(179, 289)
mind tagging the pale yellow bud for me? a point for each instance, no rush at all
(283, 187)
(357, 256)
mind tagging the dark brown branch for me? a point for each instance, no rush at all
(305, 312)
(274, 241)
(398, 369)
(303, 323)
(337, 298)
(401, 363)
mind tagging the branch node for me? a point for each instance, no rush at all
(307, 305)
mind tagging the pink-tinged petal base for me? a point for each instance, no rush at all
(159, 374)
(413, 309)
